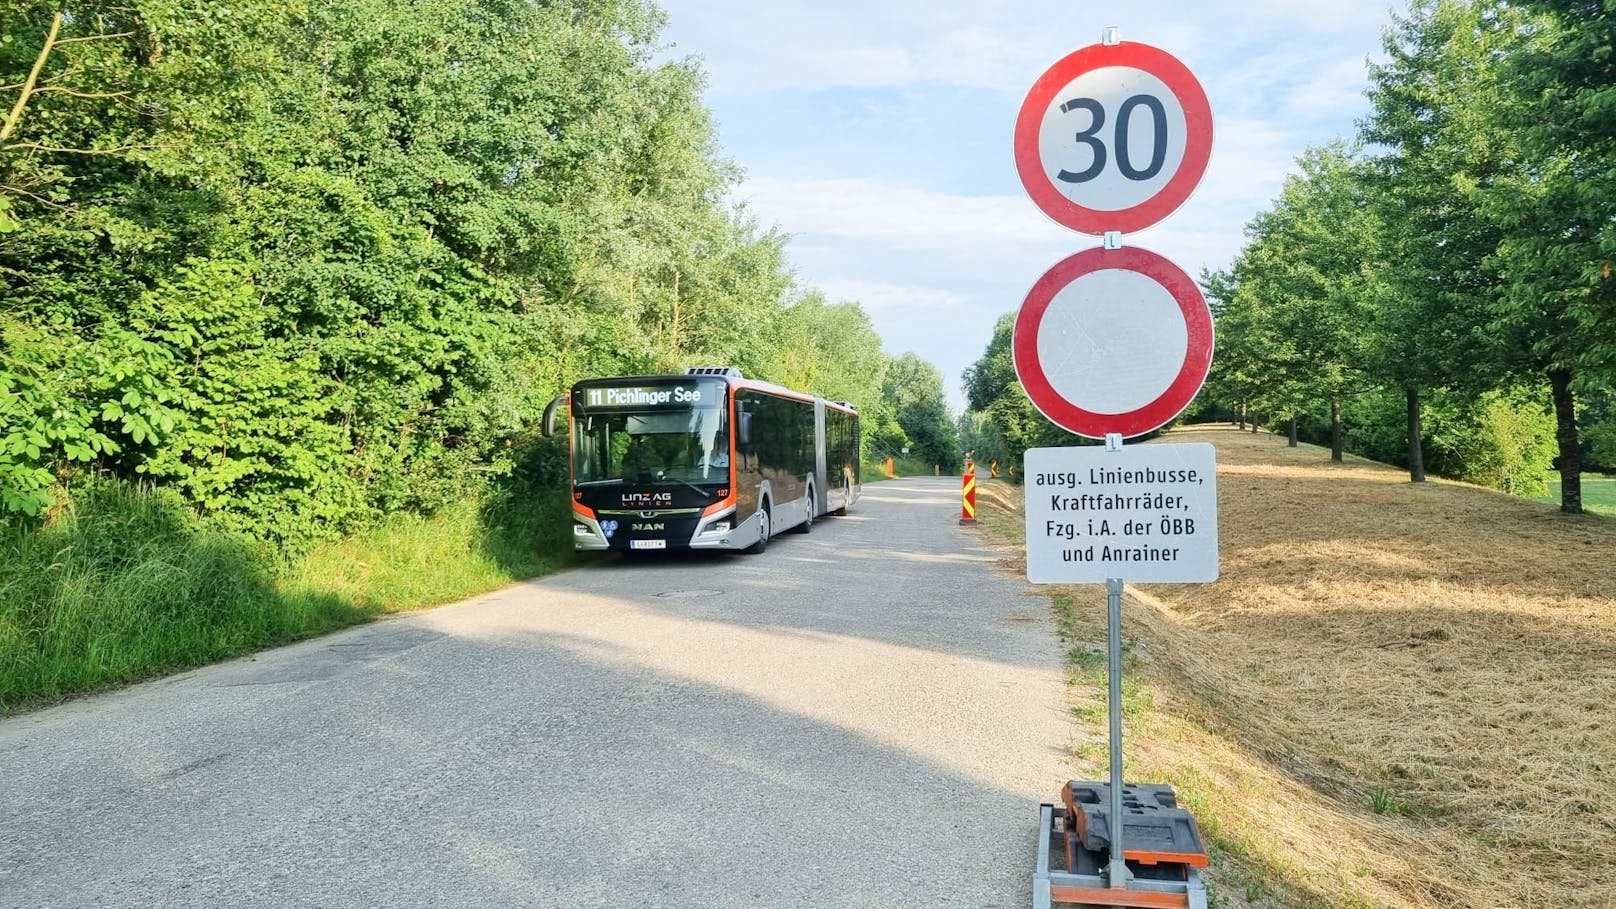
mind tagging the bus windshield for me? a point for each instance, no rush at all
(686, 445)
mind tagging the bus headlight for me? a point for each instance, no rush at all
(581, 530)
(718, 527)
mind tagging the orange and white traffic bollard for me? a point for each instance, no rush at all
(968, 496)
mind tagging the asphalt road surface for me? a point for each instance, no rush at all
(867, 715)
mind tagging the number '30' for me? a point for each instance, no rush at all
(1124, 155)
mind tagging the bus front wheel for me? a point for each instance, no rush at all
(763, 531)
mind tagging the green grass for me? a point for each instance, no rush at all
(904, 467)
(1598, 493)
(124, 585)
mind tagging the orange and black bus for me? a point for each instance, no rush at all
(703, 460)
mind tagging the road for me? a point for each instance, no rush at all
(864, 716)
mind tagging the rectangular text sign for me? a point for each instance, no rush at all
(1146, 514)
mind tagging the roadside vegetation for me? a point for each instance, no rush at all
(126, 584)
(1396, 695)
(287, 287)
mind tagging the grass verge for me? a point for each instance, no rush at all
(1598, 493)
(123, 586)
(1397, 694)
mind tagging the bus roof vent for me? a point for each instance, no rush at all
(728, 371)
(846, 404)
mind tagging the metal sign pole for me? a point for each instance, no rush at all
(1117, 873)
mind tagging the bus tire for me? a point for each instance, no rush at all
(807, 524)
(847, 498)
(763, 534)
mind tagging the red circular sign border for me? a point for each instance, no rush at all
(1197, 142)
(1171, 402)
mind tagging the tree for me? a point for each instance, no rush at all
(309, 264)
(1291, 314)
(1553, 96)
(914, 389)
(994, 394)
(1429, 326)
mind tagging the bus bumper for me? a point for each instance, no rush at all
(586, 534)
(720, 531)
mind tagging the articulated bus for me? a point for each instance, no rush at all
(703, 460)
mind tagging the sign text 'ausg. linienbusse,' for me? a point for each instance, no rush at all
(1148, 513)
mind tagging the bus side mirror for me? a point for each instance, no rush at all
(743, 429)
(550, 415)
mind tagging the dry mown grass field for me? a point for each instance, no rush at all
(1396, 695)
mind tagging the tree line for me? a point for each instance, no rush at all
(1445, 277)
(308, 264)
(1436, 290)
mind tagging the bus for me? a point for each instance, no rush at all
(707, 459)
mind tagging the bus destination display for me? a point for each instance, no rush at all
(643, 396)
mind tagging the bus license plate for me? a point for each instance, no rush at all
(648, 544)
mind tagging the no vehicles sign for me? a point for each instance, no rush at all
(1148, 513)
(1113, 341)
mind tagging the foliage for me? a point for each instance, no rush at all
(126, 584)
(1461, 263)
(914, 389)
(285, 288)
(1509, 445)
(1002, 422)
(309, 265)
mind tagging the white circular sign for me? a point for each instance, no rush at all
(1112, 341)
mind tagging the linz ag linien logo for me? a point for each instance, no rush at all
(647, 499)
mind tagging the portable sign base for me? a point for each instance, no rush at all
(1068, 871)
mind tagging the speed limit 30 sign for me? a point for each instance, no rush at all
(1113, 137)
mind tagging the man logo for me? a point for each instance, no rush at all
(657, 526)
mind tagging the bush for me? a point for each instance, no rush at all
(1504, 440)
(124, 583)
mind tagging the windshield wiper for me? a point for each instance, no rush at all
(690, 485)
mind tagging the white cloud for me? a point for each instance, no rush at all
(885, 297)
(754, 48)
(906, 218)
(1330, 90)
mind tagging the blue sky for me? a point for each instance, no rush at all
(878, 136)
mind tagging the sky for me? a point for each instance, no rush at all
(878, 136)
